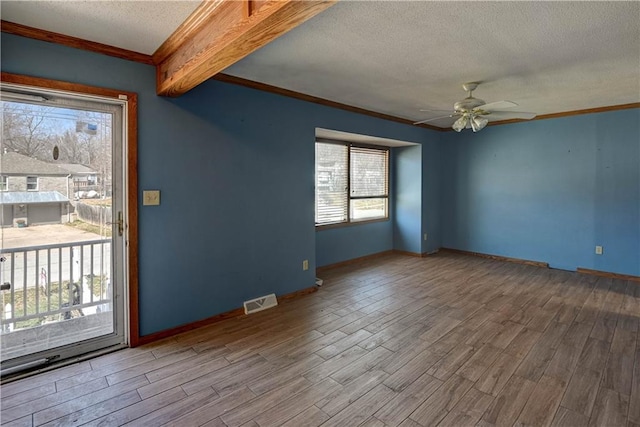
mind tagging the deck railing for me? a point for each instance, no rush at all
(50, 283)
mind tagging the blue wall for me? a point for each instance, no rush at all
(407, 207)
(236, 171)
(432, 194)
(548, 190)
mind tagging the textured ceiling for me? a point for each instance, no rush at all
(140, 26)
(398, 57)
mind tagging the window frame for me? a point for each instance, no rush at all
(350, 221)
(4, 183)
(37, 183)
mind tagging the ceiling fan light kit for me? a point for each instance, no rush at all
(470, 112)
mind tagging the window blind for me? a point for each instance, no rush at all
(369, 172)
(332, 183)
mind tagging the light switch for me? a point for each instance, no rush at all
(151, 197)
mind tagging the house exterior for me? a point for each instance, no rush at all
(84, 178)
(33, 192)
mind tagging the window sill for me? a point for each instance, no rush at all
(349, 224)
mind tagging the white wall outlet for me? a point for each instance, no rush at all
(598, 250)
(305, 264)
(425, 237)
(151, 197)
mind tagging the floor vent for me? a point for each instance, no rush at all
(259, 304)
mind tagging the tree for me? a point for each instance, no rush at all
(25, 130)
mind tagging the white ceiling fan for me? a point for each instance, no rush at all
(474, 113)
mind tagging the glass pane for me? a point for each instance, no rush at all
(331, 183)
(368, 172)
(56, 215)
(368, 209)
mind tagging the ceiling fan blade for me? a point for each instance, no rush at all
(498, 105)
(432, 119)
(437, 111)
(509, 115)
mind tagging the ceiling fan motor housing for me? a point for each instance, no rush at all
(467, 104)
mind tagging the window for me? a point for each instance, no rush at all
(32, 183)
(352, 183)
(4, 183)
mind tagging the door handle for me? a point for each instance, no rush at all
(120, 223)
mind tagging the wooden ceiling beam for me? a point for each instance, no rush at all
(221, 32)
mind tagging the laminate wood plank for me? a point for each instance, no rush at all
(468, 410)
(624, 341)
(27, 395)
(134, 360)
(604, 328)
(634, 401)
(373, 360)
(535, 363)
(543, 402)
(478, 318)
(176, 409)
(339, 323)
(594, 355)
(20, 422)
(88, 399)
(228, 378)
(577, 334)
(292, 406)
(564, 362)
(43, 379)
(143, 368)
(507, 334)
(272, 381)
(179, 378)
(273, 339)
(582, 391)
(617, 373)
(361, 409)
(440, 329)
(372, 422)
(477, 364)
(362, 322)
(408, 400)
(552, 336)
(495, 378)
(403, 356)
(249, 410)
(343, 344)
(311, 417)
(410, 423)
(417, 366)
(610, 409)
(50, 400)
(506, 408)
(566, 417)
(287, 353)
(137, 410)
(450, 363)
(351, 392)
(334, 364)
(484, 335)
(210, 412)
(436, 407)
(101, 409)
(522, 343)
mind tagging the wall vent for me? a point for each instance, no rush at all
(259, 304)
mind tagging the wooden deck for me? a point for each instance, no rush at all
(448, 340)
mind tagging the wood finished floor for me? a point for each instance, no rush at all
(449, 340)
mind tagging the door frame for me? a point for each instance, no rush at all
(132, 330)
